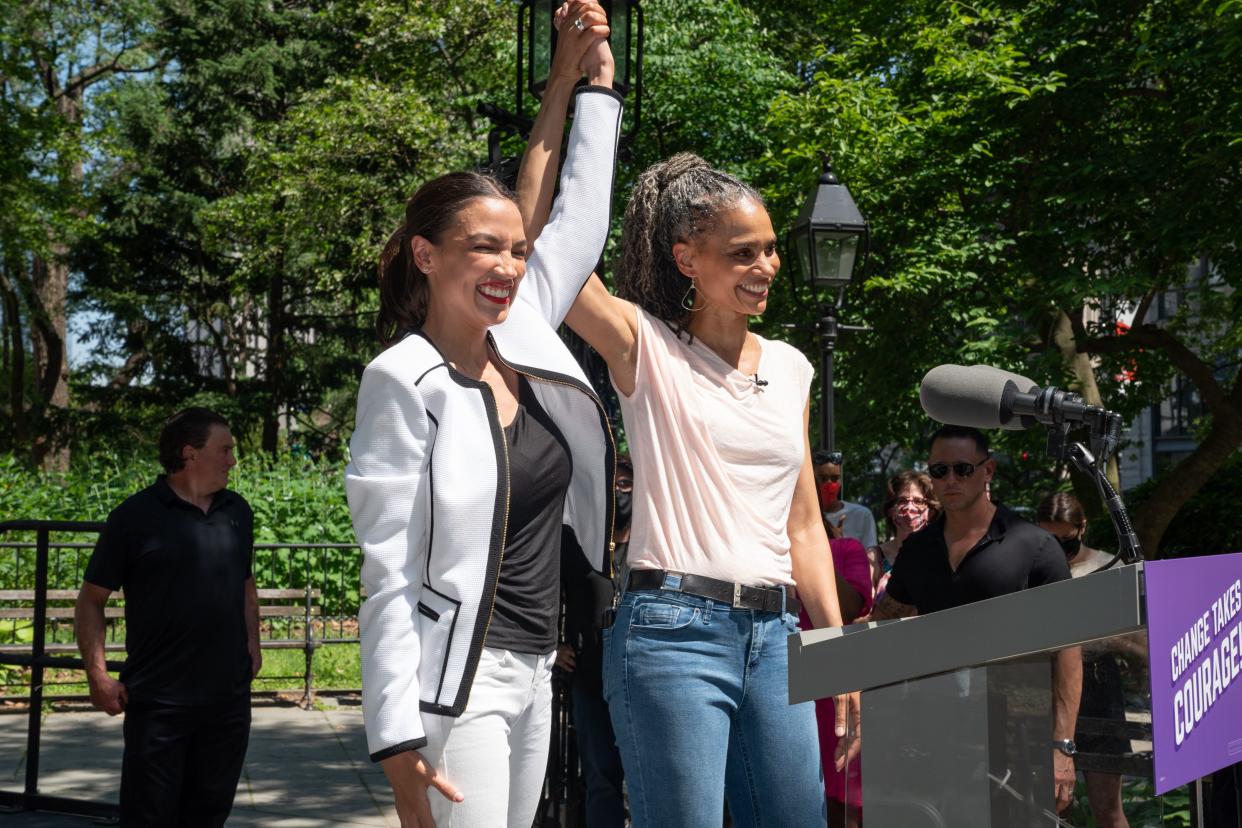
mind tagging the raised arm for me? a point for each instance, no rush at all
(536, 181)
(569, 247)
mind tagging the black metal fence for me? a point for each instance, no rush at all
(308, 597)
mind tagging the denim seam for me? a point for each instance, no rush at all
(639, 789)
(744, 749)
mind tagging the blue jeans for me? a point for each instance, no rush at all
(699, 698)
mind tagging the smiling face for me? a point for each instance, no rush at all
(474, 271)
(733, 265)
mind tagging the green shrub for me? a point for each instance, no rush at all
(295, 498)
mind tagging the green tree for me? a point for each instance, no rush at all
(250, 187)
(52, 57)
(1032, 172)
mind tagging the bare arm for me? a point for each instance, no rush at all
(1066, 694)
(252, 628)
(610, 326)
(888, 607)
(107, 694)
(808, 546)
(815, 576)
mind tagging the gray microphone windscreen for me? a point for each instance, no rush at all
(970, 395)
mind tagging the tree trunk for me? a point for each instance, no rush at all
(1185, 479)
(275, 357)
(50, 283)
(15, 356)
(1086, 386)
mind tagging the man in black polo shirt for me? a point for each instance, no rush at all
(976, 550)
(181, 550)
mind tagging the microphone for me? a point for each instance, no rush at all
(759, 383)
(987, 397)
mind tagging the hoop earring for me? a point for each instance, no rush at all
(687, 303)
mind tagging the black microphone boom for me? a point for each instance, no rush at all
(987, 397)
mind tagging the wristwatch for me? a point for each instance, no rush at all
(1066, 746)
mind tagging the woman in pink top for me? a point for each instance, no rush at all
(725, 516)
(843, 786)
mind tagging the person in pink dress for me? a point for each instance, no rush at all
(843, 788)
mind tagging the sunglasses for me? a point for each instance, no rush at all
(939, 471)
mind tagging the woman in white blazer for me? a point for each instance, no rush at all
(477, 435)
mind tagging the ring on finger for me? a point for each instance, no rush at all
(579, 25)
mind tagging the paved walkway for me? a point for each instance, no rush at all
(304, 768)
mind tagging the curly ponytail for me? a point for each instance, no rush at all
(673, 201)
(404, 290)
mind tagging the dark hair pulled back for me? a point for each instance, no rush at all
(673, 201)
(404, 291)
(1061, 507)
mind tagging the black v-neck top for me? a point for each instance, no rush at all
(1013, 555)
(528, 592)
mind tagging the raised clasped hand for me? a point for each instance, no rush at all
(582, 48)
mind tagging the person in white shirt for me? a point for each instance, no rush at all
(725, 520)
(853, 519)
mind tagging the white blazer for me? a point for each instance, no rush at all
(428, 477)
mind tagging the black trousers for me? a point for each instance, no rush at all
(182, 763)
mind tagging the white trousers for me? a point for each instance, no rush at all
(496, 752)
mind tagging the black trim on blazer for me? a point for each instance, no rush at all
(431, 500)
(402, 747)
(604, 90)
(497, 541)
(448, 648)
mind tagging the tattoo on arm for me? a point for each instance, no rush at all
(888, 607)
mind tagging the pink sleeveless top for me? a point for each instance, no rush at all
(716, 457)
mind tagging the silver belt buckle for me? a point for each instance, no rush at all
(737, 596)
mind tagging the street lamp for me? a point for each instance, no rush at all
(536, 44)
(830, 239)
(537, 38)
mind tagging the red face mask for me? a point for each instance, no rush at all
(829, 493)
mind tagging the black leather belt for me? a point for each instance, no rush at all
(767, 599)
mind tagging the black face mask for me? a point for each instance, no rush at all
(625, 503)
(1070, 546)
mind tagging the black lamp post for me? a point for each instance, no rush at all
(830, 239)
(536, 44)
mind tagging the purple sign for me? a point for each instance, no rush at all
(1194, 629)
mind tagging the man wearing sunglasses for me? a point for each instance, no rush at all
(977, 549)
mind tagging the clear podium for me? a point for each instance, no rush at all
(957, 705)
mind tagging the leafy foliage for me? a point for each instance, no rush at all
(295, 499)
(1033, 172)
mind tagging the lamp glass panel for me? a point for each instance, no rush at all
(620, 23)
(541, 43)
(802, 249)
(835, 253)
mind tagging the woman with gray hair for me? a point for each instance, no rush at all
(725, 515)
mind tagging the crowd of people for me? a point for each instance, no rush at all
(484, 480)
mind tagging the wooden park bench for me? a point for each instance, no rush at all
(290, 604)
